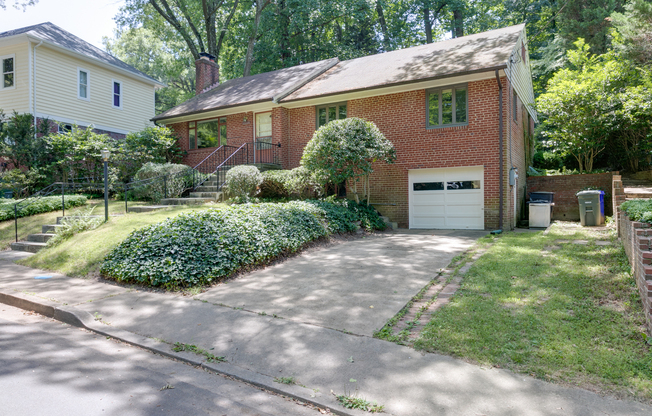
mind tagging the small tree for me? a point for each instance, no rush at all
(21, 143)
(346, 149)
(579, 106)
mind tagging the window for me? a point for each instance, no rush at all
(8, 66)
(428, 186)
(64, 128)
(447, 106)
(83, 80)
(211, 133)
(328, 113)
(263, 125)
(192, 135)
(515, 105)
(117, 94)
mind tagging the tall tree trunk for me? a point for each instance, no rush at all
(383, 25)
(427, 23)
(224, 28)
(458, 23)
(209, 22)
(285, 31)
(249, 58)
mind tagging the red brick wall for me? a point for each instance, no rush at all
(566, 186)
(636, 238)
(402, 117)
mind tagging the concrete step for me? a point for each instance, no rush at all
(50, 228)
(39, 237)
(211, 195)
(29, 246)
(185, 201)
(267, 166)
(206, 189)
(146, 208)
(210, 183)
(67, 217)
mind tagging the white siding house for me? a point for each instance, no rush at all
(59, 76)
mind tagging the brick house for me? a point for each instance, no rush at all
(458, 113)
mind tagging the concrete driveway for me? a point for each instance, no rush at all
(354, 286)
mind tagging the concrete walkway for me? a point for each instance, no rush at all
(259, 347)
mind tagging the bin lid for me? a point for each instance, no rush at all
(590, 192)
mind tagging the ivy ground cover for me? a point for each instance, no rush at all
(201, 247)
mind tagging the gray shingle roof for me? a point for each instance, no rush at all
(251, 89)
(53, 33)
(472, 53)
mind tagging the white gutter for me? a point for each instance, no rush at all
(34, 87)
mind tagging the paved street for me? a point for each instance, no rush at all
(50, 368)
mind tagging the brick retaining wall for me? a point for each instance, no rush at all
(566, 186)
(637, 240)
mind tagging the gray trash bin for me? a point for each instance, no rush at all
(591, 207)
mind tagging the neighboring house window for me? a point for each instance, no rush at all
(117, 94)
(211, 133)
(83, 81)
(328, 113)
(447, 106)
(192, 135)
(8, 66)
(515, 105)
(64, 128)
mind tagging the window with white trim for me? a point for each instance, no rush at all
(447, 106)
(117, 94)
(8, 67)
(83, 81)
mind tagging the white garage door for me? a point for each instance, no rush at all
(449, 198)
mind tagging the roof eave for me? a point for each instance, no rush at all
(96, 61)
(394, 84)
(225, 107)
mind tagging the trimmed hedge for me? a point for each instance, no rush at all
(638, 209)
(297, 182)
(45, 204)
(200, 247)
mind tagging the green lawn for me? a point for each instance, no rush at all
(561, 312)
(83, 253)
(33, 223)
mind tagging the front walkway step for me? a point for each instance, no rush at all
(211, 195)
(205, 188)
(50, 228)
(39, 237)
(68, 217)
(29, 246)
(146, 208)
(185, 201)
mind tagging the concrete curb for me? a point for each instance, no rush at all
(83, 319)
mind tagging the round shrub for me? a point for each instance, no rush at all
(172, 186)
(295, 183)
(243, 181)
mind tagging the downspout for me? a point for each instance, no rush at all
(34, 86)
(500, 151)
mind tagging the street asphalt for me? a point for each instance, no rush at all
(54, 369)
(314, 350)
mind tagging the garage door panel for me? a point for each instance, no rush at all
(421, 198)
(463, 198)
(470, 211)
(459, 205)
(429, 222)
(429, 210)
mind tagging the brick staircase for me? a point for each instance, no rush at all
(637, 188)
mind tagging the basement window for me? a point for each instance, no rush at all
(447, 106)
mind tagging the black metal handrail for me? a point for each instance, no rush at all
(48, 191)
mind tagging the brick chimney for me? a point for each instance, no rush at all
(207, 73)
